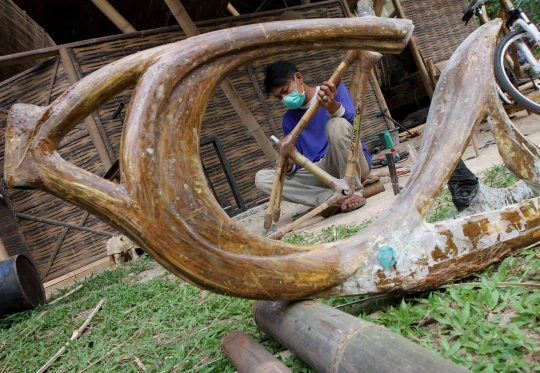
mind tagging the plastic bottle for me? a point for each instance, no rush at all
(388, 139)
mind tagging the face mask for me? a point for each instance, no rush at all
(294, 100)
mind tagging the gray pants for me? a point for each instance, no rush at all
(304, 188)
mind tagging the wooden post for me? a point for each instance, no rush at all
(393, 172)
(114, 16)
(90, 122)
(329, 340)
(3, 252)
(432, 72)
(179, 12)
(416, 53)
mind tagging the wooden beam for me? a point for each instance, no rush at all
(416, 53)
(178, 11)
(91, 125)
(51, 82)
(114, 16)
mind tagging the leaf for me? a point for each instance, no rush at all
(444, 343)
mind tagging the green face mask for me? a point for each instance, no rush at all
(294, 99)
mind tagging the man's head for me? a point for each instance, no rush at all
(282, 78)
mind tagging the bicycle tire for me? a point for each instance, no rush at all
(502, 78)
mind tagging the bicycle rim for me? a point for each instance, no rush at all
(515, 74)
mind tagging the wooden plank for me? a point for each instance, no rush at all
(75, 272)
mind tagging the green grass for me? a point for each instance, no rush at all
(172, 326)
(443, 208)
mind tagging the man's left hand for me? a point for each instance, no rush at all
(327, 97)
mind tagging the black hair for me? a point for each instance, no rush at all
(278, 73)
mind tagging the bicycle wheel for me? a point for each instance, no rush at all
(517, 59)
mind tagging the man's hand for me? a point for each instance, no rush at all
(327, 97)
(290, 164)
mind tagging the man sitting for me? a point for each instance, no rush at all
(325, 141)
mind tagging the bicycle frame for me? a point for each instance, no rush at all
(524, 22)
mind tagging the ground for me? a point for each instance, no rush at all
(529, 125)
(152, 321)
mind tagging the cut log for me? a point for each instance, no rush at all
(250, 357)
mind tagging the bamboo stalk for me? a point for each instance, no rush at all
(416, 53)
(51, 83)
(114, 16)
(76, 334)
(179, 12)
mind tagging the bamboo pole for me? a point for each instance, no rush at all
(378, 6)
(90, 122)
(179, 12)
(114, 16)
(232, 10)
(416, 53)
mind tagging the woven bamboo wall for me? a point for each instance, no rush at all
(19, 33)
(243, 153)
(438, 28)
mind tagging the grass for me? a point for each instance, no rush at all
(171, 326)
(497, 176)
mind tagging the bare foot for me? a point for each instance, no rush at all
(352, 203)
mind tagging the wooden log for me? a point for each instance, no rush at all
(250, 357)
(114, 16)
(51, 83)
(332, 341)
(416, 53)
(90, 122)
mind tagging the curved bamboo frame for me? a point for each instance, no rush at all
(163, 201)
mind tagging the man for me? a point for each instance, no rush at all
(325, 141)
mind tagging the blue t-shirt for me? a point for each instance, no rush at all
(312, 142)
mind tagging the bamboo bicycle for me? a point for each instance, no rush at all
(517, 56)
(342, 188)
